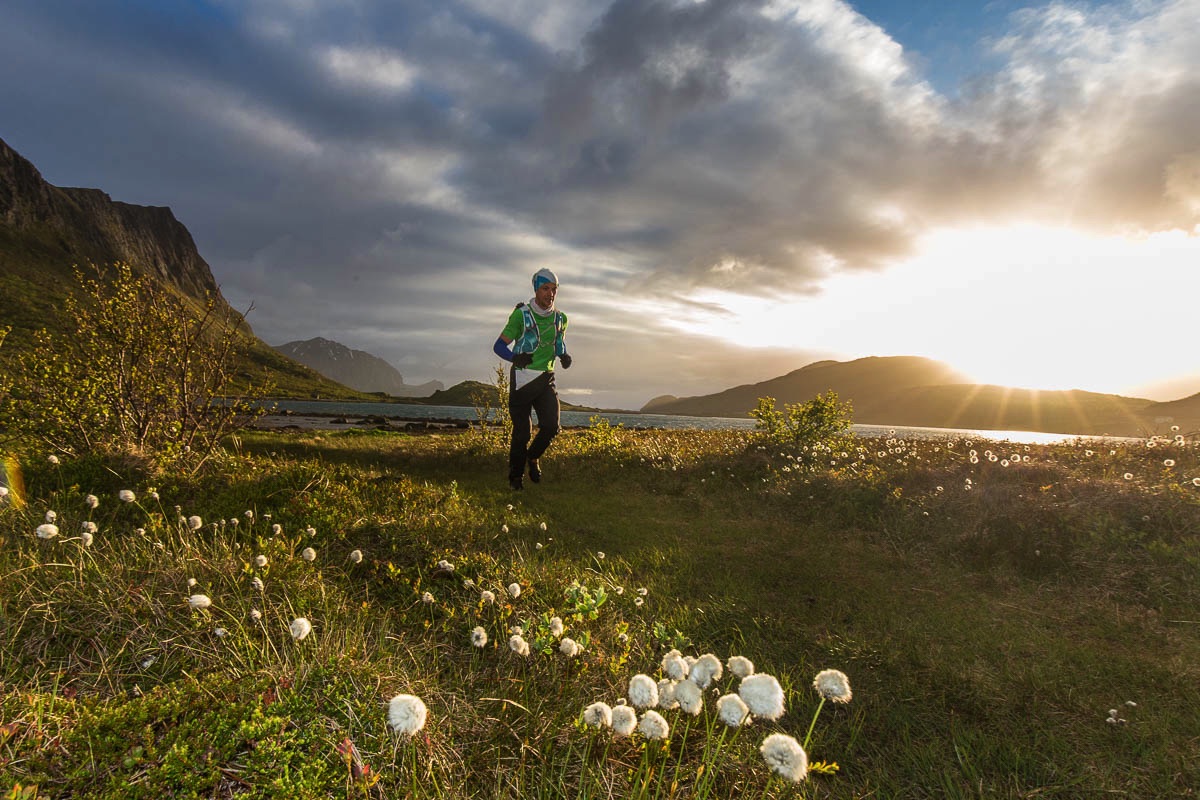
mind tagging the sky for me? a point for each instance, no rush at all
(727, 189)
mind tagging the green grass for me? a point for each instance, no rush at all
(986, 631)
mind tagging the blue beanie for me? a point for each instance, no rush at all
(544, 276)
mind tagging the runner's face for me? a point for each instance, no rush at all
(545, 294)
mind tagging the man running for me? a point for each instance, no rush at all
(536, 327)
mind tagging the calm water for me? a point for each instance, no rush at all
(313, 413)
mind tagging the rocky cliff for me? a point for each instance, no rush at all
(75, 226)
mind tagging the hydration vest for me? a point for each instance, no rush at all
(531, 337)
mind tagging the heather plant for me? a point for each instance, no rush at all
(137, 370)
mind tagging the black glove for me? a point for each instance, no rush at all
(522, 360)
(565, 358)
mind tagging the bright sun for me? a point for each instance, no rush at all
(1027, 306)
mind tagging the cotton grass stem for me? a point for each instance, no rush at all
(813, 724)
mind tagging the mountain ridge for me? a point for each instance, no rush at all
(914, 391)
(357, 369)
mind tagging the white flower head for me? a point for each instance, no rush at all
(257, 583)
(763, 695)
(255, 614)
(689, 697)
(53, 459)
(220, 632)
(427, 598)
(87, 538)
(542, 526)
(674, 666)
(407, 714)
(192, 583)
(638, 601)
(195, 523)
(624, 720)
(653, 726)
(487, 597)
(51, 516)
(504, 529)
(446, 565)
(785, 756)
(740, 666)
(356, 556)
(514, 590)
(199, 601)
(643, 591)
(126, 496)
(91, 501)
(666, 695)
(706, 670)
(3, 493)
(276, 529)
(249, 513)
(310, 530)
(556, 626)
(732, 710)
(468, 583)
(833, 685)
(569, 647)
(47, 530)
(518, 645)
(260, 560)
(643, 691)
(598, 715)
(479, 637)
(600, 555)
(153, 495)
(308, 554)
(300, 628)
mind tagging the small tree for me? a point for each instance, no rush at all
(495, 424)
(802, 424)
(136, 369)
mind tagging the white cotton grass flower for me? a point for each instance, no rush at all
(276, 529)
(740, 666)
(53, 459)
(300, 628)
(598, 715)
(257, 583)
(785, 756)
(706, 670)
(514, 590)
(487, 597)
(310, 530)
(504, 529)
(643, 591)
(260, 560)
(624, 720)
(556, 626)
(600, 555)
(638, 601)
(249, 514)
(87, 538)
(220, 632)
(407, 714)
(666, 695)
(308, 554)
(199, 601)
(542, 526)
(763, 695)
(3, 493)
(195, 523)
(356, 556)
(569, 647)
(126, 496)
(479, 637)
(255, 614)
(674, 666)
(47, 530)
(51, 516)
(732, 710)
(446, 565)
(653, 726)
(468, 583)
(427, 598)
(833, 685)
(91, 501)
(191, 582)
(517, 629)
(518, 645)
(689, 697)
(643, 691)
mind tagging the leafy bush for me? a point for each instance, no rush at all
(801, 424)
(137, 369)
(495, 424)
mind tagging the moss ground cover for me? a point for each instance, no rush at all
(991, 604)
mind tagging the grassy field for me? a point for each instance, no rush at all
(990, 610)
